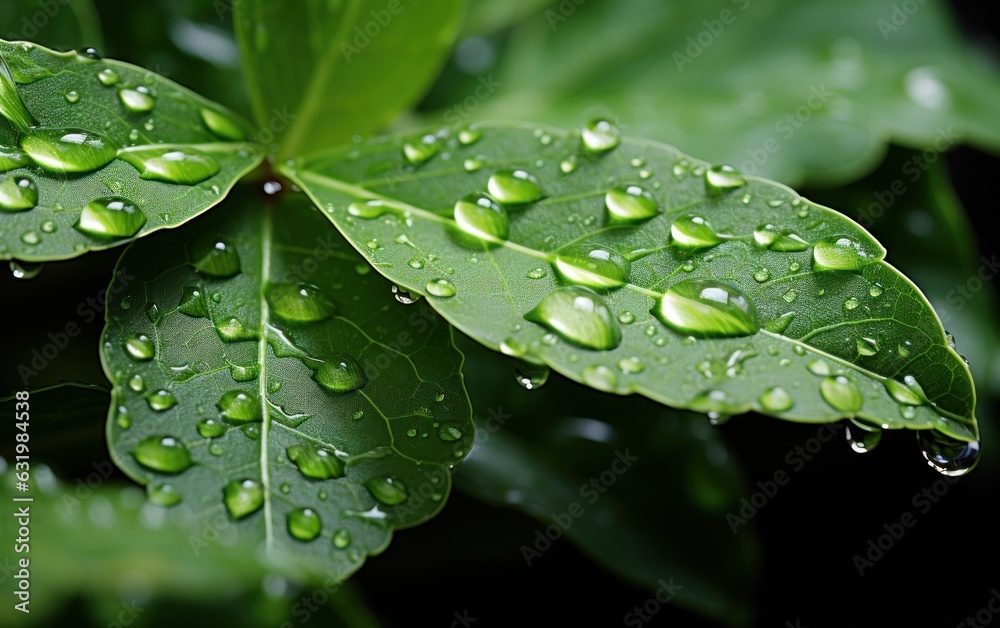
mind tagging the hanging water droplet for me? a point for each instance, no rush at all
(776, 399)
(164, 454)
(861, 437)
(630, 205)
(243, 497)
(299, 303)
(947, 455)
(171, 165)
(515, 187)
(140, 347)
(841, 394)
(405, 296)
(481, 216)
(316, 462)
(693, 232)
(707, 308)
(211, 428)
(722, 179)
(161, 400)
(24, 270)
(163, 495)
(239, 407)
(111, 217)
(420, 151)
(441, 288)
(215, 257)
(222, 125)
(388, 490)
(531, 376)
(341, 538)
(341, 375)
(17, 193)
(138, 100)
(593, 266)
(68, 150)
(580, 316)
(600, 136)
(843, 253)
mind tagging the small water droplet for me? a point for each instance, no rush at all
(851, 303)
(341, 538)
(626, 318)
(388, 490)
(304, 524)
(111, 217)
(601, 378)
(449, 434)
(722, 179)
(631, 365)
(367, 210)
(108, 77)
(239, 407)
(211, 428)
(165, 495)
(341, 375)
(171, 165)
(243, 497)
(17, 193)
(762, 275)
(819, 368)
(420, 151)
(222, 125)
(138, 100)
(568, 165)
(777, 239)
(776, 399)
(536, 273)
(68, 150)
(214, 257)
(441, 288)
(469, 136)
(316, 462)
(867, 346)
(600, 136)
(161, 400)
(405, 296)
(136, 383)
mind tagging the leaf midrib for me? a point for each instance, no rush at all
(265, 276)
(364, 193)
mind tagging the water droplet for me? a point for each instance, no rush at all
(316, 462)
(515, 187)
(819, 368)
(164, 454)
(536, 273)
(481, 216)
(867, 346)
(304, 524)
(842, 253)
(341, 375)
(863, 438)
(531, 376)
(707, 308)
(222, 125)
(469, 136)
(722, 179)
(908, 392)
(341, 538)
(420, 151)
(875, 290)
(693, 232)
(415, 263)
(358, 414)
(136, 383)
(215, 257)
(779, 240)
(248, 373)
(449, 434)
(243, 498)
(161, 400)
(193, 302)
(239, 407)
(108, 77)
(851, 303)
(11, 159)
(946, 455)
(72, 96)
(762, 275)
(441, 288)
(68, 150)
(626, 318)
(137, 100)
(111, 217)
(580, 316)
(600, 136)
(630, 205)
(600, 378)
(140, 347)
(164, 495)
(17, 194)
(473, 164)
(405, 296)
(367, 210)
(170, 165)
(233, 330)
(593, 266)
(776, 399)
(841, 394)
(631, 365)
(210, 428)
(568, 165)
(389, 490)
(299, 303)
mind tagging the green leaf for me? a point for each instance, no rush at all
(488, 16)
(95, 153)
(322, 72)
(266, 375)
(665, 516)
(790, 89)
(638, 269)
(78, 26)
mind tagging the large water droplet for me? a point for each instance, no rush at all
(138, 100)
(841, 394)
(907, 392)
(693, 232)
(776, 399)
(17, 194)
(722, 179)
(600, 136)
(420, 151)
(11, 158)
(239, 407)
(110, 217)
(243, 498)
(388, 490)
(316, 462)
(441, 288)
(580, 316)
(707, 308)
(341, 375)
(171, 165)
(515, 187)
(863, 438)
(299, 303)
(304, 524)
(11, 106)
(68, 149)
(193, 302)
(140, 347)
(842, 253)
(215, 257)
(162, 453)
(946, 455)
(481, 216)
(222, 125)
(593, 266)
(630, 205)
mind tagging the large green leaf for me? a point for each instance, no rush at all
(791, 89)
(642, 270)
(342, 68)
(94, 153)
(259, 370)
(664, 516)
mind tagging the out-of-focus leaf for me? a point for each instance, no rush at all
(58, 24)
(66, 420)
(487, 16)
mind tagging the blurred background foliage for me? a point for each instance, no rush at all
(842, 100)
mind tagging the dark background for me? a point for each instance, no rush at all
(939, 572)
